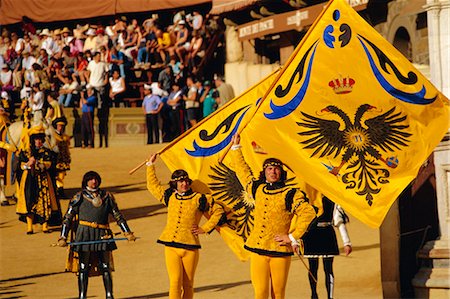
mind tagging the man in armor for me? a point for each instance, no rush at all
(92, 206)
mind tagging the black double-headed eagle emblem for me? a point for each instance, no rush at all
(361, 145)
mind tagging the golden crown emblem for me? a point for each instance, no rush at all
(342, 85)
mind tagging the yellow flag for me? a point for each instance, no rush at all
(200, 150)
(350, 115)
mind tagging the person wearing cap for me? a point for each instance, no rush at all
(87, 104)
(63, 159)
(151, 105)
(48, 43)
(66, 37)
(36, 200)
(181, 39)
(89, 42)
(101, 39)
(86, 220)
(209, 99)
(271, 244)
(180, 237)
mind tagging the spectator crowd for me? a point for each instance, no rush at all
(90, 67)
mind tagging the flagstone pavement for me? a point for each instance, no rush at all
(31, 268)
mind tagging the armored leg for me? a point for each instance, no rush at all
(103, 265)
(329, 276)
(83, 274)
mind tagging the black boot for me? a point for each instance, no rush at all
(83, 284)
(107, 282)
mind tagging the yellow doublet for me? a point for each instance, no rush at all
(275, 207)
(184, 211)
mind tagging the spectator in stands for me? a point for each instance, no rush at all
(147, 48)
(17, 43)
(54, 109)
(181, 40)
(80, 69)
(130, 44)
(27, 62)
(68, 92)
(164, 43)
(119, 60)
(103, 120)
(209, 99)
(68, 59)
(195, 52)
(90, 42)
(101, 40)
(37, 105)
(97, 74)
(40, 77)
(225, 90)
(87, 105)
(196, 22)
(6, 78)
(77, 43)
(66, 37)
(117, 88)
(48, 43)
(105, 55)
(176, 111)
(25, 95)
(28, 45)
(151, 105)
(191, 102)
(43, 59)
(58, 43)
(165, 77)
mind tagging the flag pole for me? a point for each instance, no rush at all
(283, 69)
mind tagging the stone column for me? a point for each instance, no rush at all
(438, 13)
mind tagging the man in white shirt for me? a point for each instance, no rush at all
(97, 74)
(48, 44)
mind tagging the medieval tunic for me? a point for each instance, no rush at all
(92, 211)
(36, 192)
(63, 159)
(275, 206)
(320, 240)
(184, 211)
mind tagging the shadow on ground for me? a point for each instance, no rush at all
(217, 287)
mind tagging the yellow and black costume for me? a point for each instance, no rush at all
(275, 206)
(63, 156)
(36, 199)
(88, 214)
(5, 147)
(181, 245)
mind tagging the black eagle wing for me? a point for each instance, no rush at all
(325, 135)
(386, 130)
(228, 191)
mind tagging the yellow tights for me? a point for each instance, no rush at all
(181, 264)
(264, 270)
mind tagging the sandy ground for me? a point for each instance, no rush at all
(31, 268)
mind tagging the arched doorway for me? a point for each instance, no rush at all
(402, 42)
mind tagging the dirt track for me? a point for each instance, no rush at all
(30, 268)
